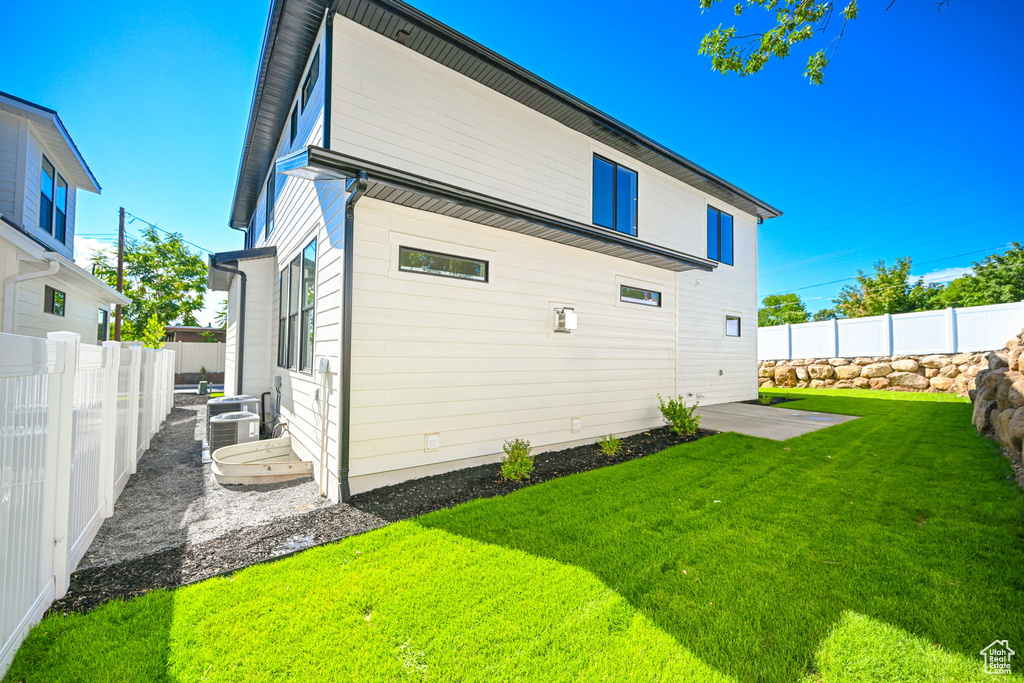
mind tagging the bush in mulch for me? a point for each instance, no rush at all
(420, 496)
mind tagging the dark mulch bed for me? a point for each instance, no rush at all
(775, 400)
(420, 496)
(188, 563)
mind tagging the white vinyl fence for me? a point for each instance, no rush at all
(73, 419)
(194, 356)
(951, 330)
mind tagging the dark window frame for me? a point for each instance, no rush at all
(739, 325)
(60, 213)
(615, 197)
(636, 302)
(270, 202)
(486, 265)
(294, 130)
(307, 314)
(718, 234)
(312, 76)
(50, 301)
(282, 318)
(103, 326)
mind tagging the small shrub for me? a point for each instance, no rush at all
(610, 445)
(765, 399)
(681, 418)
(518, 462)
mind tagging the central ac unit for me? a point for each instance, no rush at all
(232, 404)
(228, 429)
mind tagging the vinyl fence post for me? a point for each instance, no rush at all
(951, 331)
(888, 348)
(112, 364)
(133, 405)
(789, 341)
(835, 337)
(63, 423)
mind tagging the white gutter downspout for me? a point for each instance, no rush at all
(11, 288)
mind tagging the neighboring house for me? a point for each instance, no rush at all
(41, 172)
(443, 251)
(182, 333)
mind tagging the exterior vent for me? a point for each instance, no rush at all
(228, 429)
(232, 404)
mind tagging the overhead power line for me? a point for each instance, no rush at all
(134, 218)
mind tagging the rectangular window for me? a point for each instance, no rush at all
(271, 182)
(60, 214)
(308, 302)
(732, 326)
(282, 322)
(443, 265)
(720, 236)
(294, 301)
(295, 123)
(46, 196)
(311, 78)
(615, 196)
(636, 295)
(103, 326)
(53, 301)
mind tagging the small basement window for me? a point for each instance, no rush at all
(732, 326)
(443, 265)
(636, 295)
(53, 301)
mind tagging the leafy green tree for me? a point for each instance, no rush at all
(888, 290)
(220, 319)
(779, 309)
(152, 335)
(997, 279)
(163, 279)
(793, 22)
(826, 314)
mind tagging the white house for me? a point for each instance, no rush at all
(444, 251)
(41, 172)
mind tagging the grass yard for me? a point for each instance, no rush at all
(890, 548)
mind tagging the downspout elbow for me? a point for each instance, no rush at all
(11, 288)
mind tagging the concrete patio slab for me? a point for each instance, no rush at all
(766, 422)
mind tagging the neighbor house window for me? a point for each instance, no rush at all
(60, 210)
(636, 295)
(295, 123)
(294, 299)
(311, 77)
(53, 301)
(732, 326)
(271, 181)
(720, 237)
(103, 326)
(615, 196)
(444, 265)
(308, 301)
(46, 177)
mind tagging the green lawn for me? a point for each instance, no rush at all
(890, 548)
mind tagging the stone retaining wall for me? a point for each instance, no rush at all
(936, 373)
(999, 400)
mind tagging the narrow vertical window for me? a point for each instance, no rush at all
(60, 214)
(306, 327)
(294, 300)
(271, 182)
(103, 326)
(720, 236)
(46, 196)
(295, 123)
(282, 321)
(615, 196)
(311, 78)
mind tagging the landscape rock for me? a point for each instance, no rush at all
(818, 384)
(820, 371)
(949, 371)
(785, 376)
(928, 372)
(876, 370)
(801, 374)
(837, 361)
(764, 371)
(908, 380)
(999, 399)
(1015, 394)
(935, 361)
(843, 384)
(847, 371)
(997, 361)
(861, 383)
(907, 365)
(941, 383)
(879, 382)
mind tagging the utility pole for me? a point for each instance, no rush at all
(120, 273)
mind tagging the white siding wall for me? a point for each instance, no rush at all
(34, 152)
(9, 163)
(394, 106)
(479, 363)
(81, 311)
(260, 326)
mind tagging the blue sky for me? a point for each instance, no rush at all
(913, 147)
